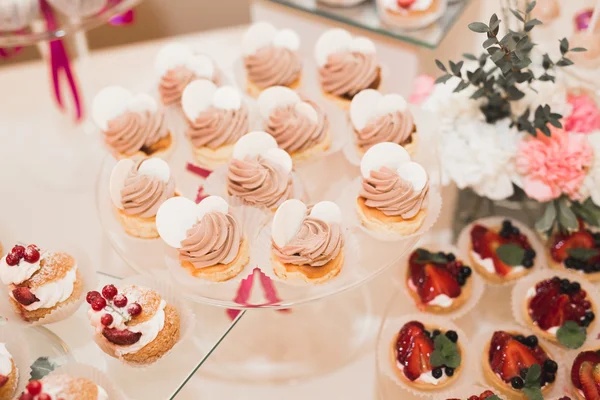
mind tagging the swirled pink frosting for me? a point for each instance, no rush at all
(214, 240)
(387, 192)
(294, 131)
(273, 66)
(315, 244)
(142, 195)
(217, 127)
(173, 82)
(134, 131)
(396, 127)
(259, 182)
(347, 73)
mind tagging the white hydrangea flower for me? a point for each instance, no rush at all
(479, 155)
(541, 93)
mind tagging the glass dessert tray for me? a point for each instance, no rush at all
(365, 16)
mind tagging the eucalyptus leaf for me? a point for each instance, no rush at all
(511, 254)
(489, 42)
(530, 7)
(578, 49)
(478, 27)
(529, 25)
(566, 217)
(470, 56)
(564, 46)
(517, 15)
(546, 222)
(443, 78)
(564, 62)
(441, 65)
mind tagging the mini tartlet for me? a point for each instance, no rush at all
(40, 281)
(487, 243)
(259, 173)
(208, 237)
(377, 118)
(394, 191)
(553, 301)
(133, 323)
(584, 375)
(271, 58)
(9, 374)
(507, 358)
(216, 119)
(419, 353)
(63, 386)
(578, 251)
(347, 65)
(133, 126)
(486, 394)
(137, 190)
(439, 283)
(307, 244)
(300, 127)
(177, 65)
(410, 13)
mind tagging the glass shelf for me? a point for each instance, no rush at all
(364, 16)
(66, 25)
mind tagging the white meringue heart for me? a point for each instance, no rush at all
(386, 154)
(109, 103)
(170, 56)
(287, 221)
(330, 42)
(117, 180)
(414, 173)
(307, 110)
(327, 211)
(273, 97)
(197, 97)
(174, 218)
(155, 167)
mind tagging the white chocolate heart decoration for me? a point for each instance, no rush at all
(202, 65)
(362, 45)
(287, 221)
(178, 214)
(257, 36)
(307, 110)
(212, 204)
(197, 97)
(287, 39)
(117, 180)
(253, 144)
(275, 96)
(279, 157)
(109, 103)
(142, 102)
(170, 56)
(327, 211)
(227, 98)
(386, 154)
(330, 42)
(174, 218)
(369, 104)
(155, 167)
(413, 173)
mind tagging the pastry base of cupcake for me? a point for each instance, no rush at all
(592, 276)
(409, 18)
(314, 150)
(420, 385)
(457, 302)
(411, 147)
(254, 90)
(211, 159)
(142, 228)
(222, 272)
(161, 149)
(8, 390)
(306, 273)
(375, 220)
(505, 387)
(36, 315)
(493, 277)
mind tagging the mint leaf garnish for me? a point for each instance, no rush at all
(582, 253)
(511, 254)
(425, 257)
(493, 397)
(532, 387)
(42, 367)
(445, 353)
(571, 335)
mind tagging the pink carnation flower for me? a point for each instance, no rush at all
(423, 87)
(585, 117)
(554, 165)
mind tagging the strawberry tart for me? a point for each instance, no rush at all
(516, 364)
(40, 281)
(578, 251)
(133, 323)
(438, 282)
(9, 375)
(63, 387)
(426, 358)
(585, 375)
(485, 395)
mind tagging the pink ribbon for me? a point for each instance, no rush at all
(7, 53)
(59, 62)
(194, 169)
(123, 19)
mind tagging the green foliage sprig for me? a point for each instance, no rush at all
(501, 83)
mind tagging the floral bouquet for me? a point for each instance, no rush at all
(508, 123)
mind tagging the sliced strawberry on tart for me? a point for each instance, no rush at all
(438, 282)
(577, 251)
(513, 362)
(426, 359)
(500, 253)
(560, 310)
(485, 395)
(585, 375)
